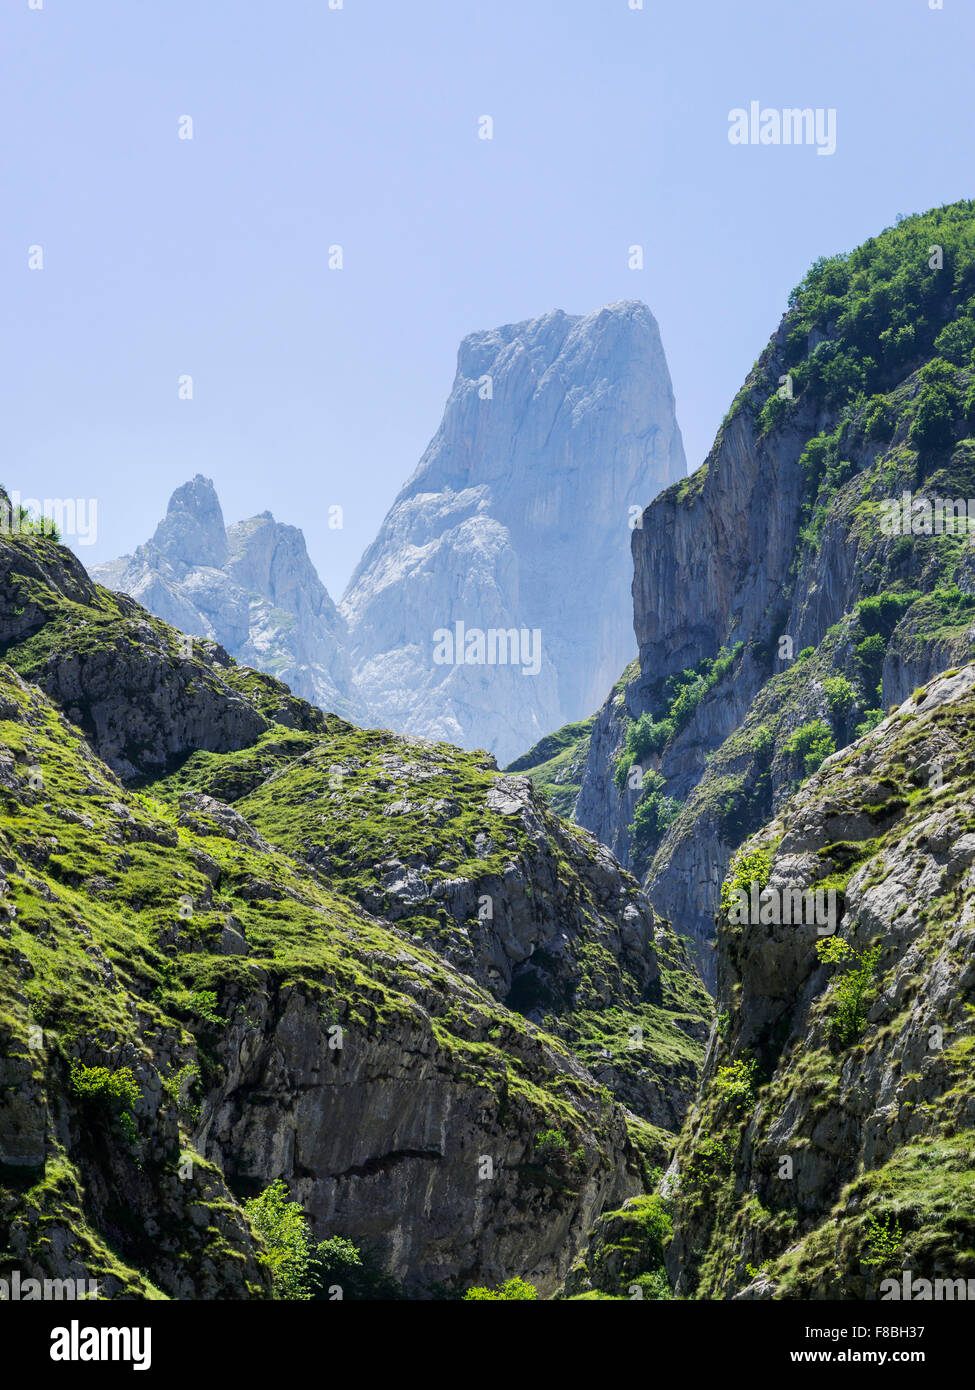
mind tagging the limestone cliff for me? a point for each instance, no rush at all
(514, 525)
(776, 607)
(831, 1146)
(242, 940)
(557, 431)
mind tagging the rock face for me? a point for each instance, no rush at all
(534, 910)
(768, 596)
(624, 1256)
(272, 960)
(831, 1144)
(514, 525)
(250, 587)
(518, 517)
(384, 1140)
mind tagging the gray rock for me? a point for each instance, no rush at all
(250, 587)
(518, 517)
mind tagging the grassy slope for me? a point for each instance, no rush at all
(556, 762)
(357, 799)
(117, 898)
(97, 879)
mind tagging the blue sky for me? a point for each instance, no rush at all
(358, 126)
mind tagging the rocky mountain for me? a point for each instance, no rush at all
(556, 433)
(252, 955)
(249, 587)
(494, 603)
(781, 603)
(242, 941)
(831, 1147)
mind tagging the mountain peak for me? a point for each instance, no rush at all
(551, 422)
(192, 532)
(251, 587)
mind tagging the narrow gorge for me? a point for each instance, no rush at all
(543, 1029)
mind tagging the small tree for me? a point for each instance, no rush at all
(284, 1231)
(512, 1290)
(551, 1147)
(736, 1082)
(933, 423)
(883, 1240)
(115, 1093)
(840, 698)
(747, 867)
(850, 988)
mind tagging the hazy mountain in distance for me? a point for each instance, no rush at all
(518, 519)
(251, 587)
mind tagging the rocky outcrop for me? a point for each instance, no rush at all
(475, 866)
(624, 1255)
(386, 1139)
(143, 698)
(831, 1144)
(250, 587)
(556, 432)
(380, 1083)
(767, 588)
(196, 1002)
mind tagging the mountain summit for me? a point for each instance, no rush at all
(556, 434)
(251, 587)
(494, 604)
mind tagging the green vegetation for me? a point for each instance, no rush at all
(938, 406)
(840, 698)
(852, 986)
(824, 1052)
(203, 1003)
(883, 1240)
(338, 1265)
(148, 938)
(625, 1254)
(643, 737)
(556, 764)
(654, 811)
(551, 1148)
(736, 1082)
(681, 695)
(747, 868)
(511, 1291)
(884, 305)
(134, 994)
(180, 1086)
(812, 743)
(109, 966)
(114, 1092)
(283, 1230)
(343, 1271)
(332, 1269)
(373, 811)
(871, 718)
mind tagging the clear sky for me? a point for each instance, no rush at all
(358, 126)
